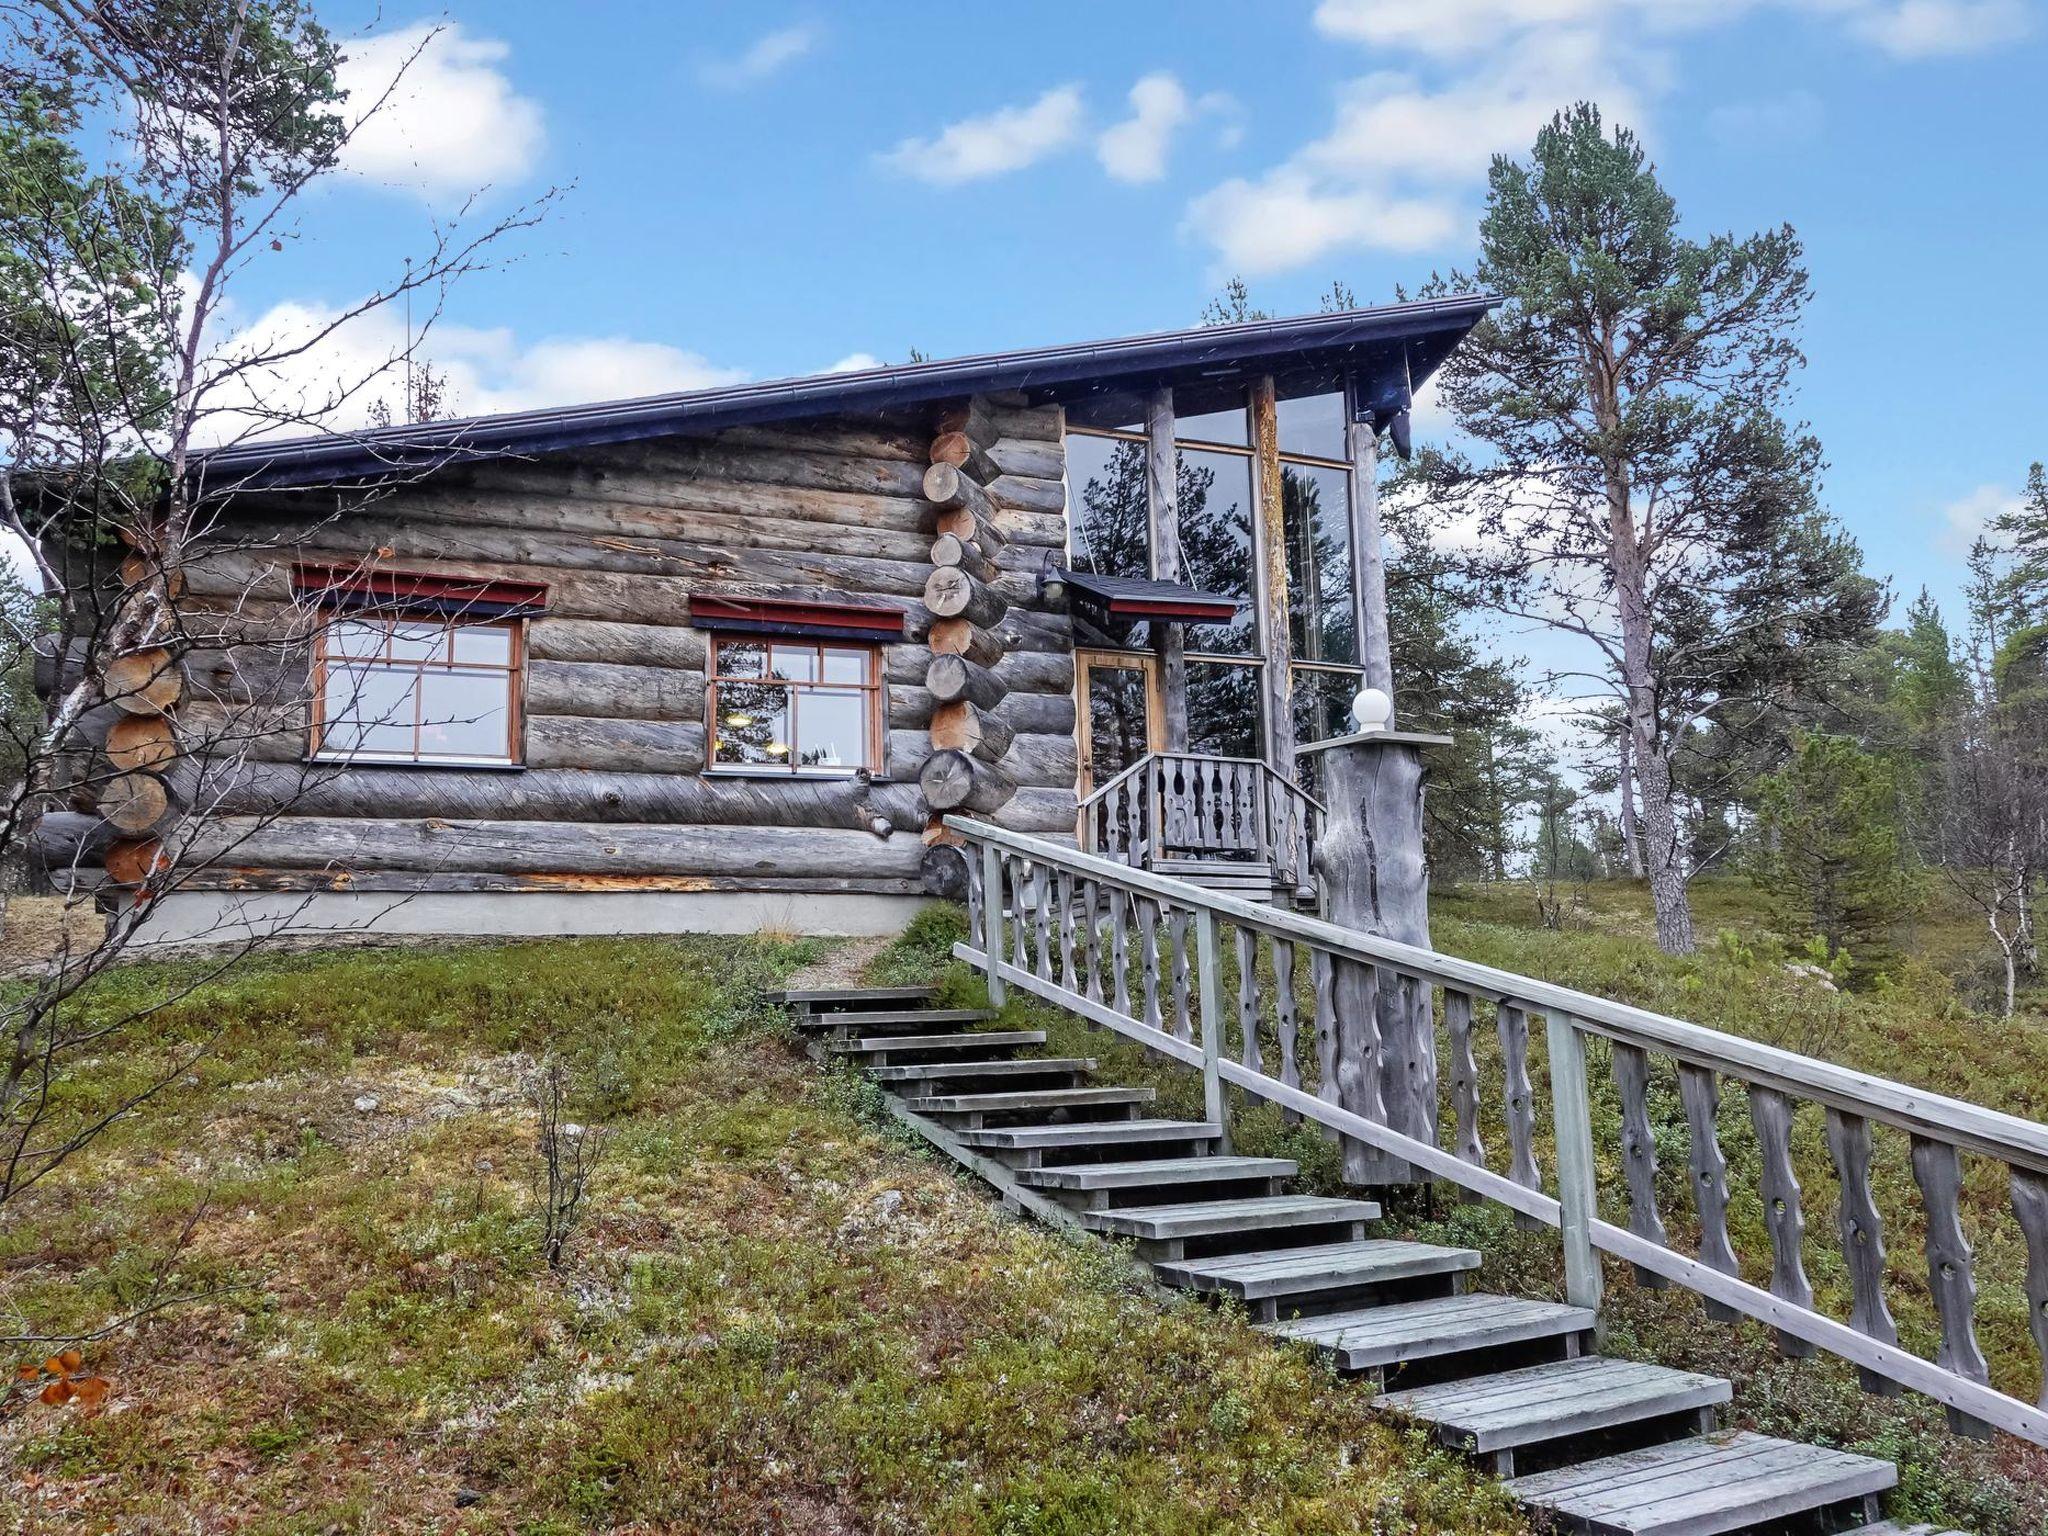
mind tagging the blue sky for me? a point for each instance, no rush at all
(762, 190)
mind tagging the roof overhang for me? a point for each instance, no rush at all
(1306, 354)
(1131, 598)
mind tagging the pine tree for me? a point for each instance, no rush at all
(1832, 855)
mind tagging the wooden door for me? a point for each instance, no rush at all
(1117, 711)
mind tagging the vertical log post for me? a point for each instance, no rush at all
(1209, 978)
(1269, 557)
(1375, 879)
(1162, 505)
(1577, 1195)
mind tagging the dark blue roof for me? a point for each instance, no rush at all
(1386, 346)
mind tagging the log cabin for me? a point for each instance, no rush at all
(722, 660)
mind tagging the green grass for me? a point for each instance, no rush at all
(752, 1334)
(1919, 1028)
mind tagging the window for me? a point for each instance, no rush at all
(1111, 523)
(794, 706)
(1315, 516)
(1216, 549)
(417, 689)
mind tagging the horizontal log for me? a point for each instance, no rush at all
(970, 528)
(134, 802)
(1026, 629)
(462, 882)
(971, 416)
(954, 680)
(1028, 493)
(60, 839)
(1036, 530)
(1042, 760)
(144, 742)
(1043, 713)
(1023, 456)
(555, 847)
(644, 746)
(131, 861)
(642, 645)
(145, 682)
(1039, 812)
(962, 727)
(1044, 423)
(954, 781)
(951, 593)
(964, 453)
(613, 691)
(620, 513)
(710, 459)
(950, 489)
(563, 795)
(854, 436)
(963, 637)
(949, 549)
(558, 479)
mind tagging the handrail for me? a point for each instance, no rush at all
(1043, 936)
(1108, 784)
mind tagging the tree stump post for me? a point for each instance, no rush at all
(1375, 879)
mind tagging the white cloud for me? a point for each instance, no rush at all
(1288, 218)
(1769, 121)
(1446, 26)
(334, 385)
(452, 122)
(856, 362)
(1135, 149)
(1972, 513)
(1921, 29)
(1005, 140)
(767, 55)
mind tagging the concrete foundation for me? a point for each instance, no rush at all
(225, 918)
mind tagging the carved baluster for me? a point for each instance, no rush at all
(1464, 1082)
(1639, 1152)
(1939, 1173)
(1148, 957)
(1041, 923)
(1120, 949)
(1701, 1091)
(1091, 903)
(1323, 976)
(1286, 1019)
(2030, 1205)
(976, 934)
(1862, 1240)
(1771, 1113)
(1513, 1026)
(1248, 998)
(1064, 907)
(1183, 1020)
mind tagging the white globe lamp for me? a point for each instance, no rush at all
(1372, 709)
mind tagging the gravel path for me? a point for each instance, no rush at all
(841, 966)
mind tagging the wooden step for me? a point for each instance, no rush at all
(929, 1019)
(1371, 1337)
(815, 998)
(978, 1040)
(1160, 1172)
(1021, 1066)
(1213, 1218)
(1702, 1486)
(1538, 1403)
(1030, 1099)
(1100, 1133)
(1294, 1272)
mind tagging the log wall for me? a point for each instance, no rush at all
(948, 514)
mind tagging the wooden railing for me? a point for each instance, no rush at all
(1268, 1001)
(1188, 805)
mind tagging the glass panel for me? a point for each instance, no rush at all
(1322, 704)
(1108, 413)
(1227, 426)
(464, 714)
(1313, 424)
(487, 645)
(1116, 721)
(752, 720)
(1216, 543)
(369, 709)
(798, 663)
(831, 729)
(1315, 512)
(1108, 522)
(741, 658)
(843, 666)
(354, 637)
(1223, 709)
(419, 642)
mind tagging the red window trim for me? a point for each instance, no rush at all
(809, 618)
(481, 597)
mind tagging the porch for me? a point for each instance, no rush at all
(1235, 825)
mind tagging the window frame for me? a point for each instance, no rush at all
(873, 688)
(513, 670)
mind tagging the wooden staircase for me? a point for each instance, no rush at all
(1593, 1443)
